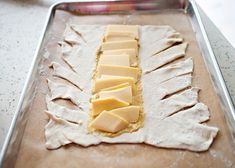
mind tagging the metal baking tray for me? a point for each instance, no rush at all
(13, 140)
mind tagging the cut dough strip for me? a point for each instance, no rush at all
(75, 116)
(169, 87)
(170, 71)
(81, 54)
(198, 113)
(85, 32)
(59, 90)
(78, 60)
(181, 130)
(66, 73)
(180, 133)
(155, 92)
(71, 36)
(59, 132)
(54, 134)
(161, 45)
(157, 33)
(154, 62)
(71, 55)
(177, 102)
(173, 85)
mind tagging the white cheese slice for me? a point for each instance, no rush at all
(129, 51)
(132, 29)
(122, 60)
(129, 113)
(116, 86)
(114, 45)
(100, 105)
(124, 94)
(109, 122)
(118, 71)
(103, 83)
(119, 36)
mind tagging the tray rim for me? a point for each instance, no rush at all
(50, 15)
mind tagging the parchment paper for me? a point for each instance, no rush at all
(34, 154)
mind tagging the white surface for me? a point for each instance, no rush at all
(21, 23)
(222, 13)
(20, 28)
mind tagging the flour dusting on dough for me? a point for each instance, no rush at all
(167, 123)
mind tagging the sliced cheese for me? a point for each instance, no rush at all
(129, 113)
(113, 45)
(107, 82)
(130, 51)
(122, 60)
(100, 105)
(109, 122)
(123, 94)
(107, 76)
(119, 36)
(116, 86)
(118, 71)
(133, 29)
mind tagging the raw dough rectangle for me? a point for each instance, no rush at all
(34, 154)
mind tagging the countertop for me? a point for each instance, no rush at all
(21, 24)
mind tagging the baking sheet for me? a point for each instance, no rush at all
(33, 153)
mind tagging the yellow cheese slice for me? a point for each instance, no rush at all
(129, 113)
(100, 105)
(109, 122)
(114, 45)
(123, 94)
(133, 29)
(130, 51)
(118, 71)
(116, 86)
(119, 36)
(107, 76)
(122, 60)
(107, 82)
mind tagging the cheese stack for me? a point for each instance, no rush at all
(116, 80)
